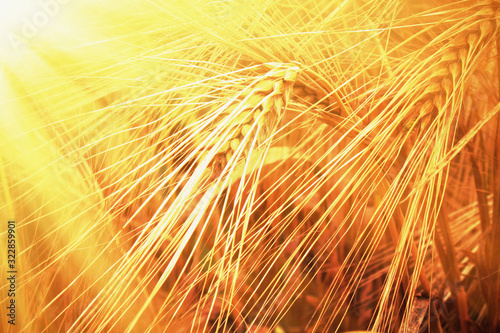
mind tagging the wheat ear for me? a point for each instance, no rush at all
(257, 109)
(262, 105)
(475, 33)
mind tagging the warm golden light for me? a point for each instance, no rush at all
(249, 166)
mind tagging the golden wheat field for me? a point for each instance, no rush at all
(280, 166)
